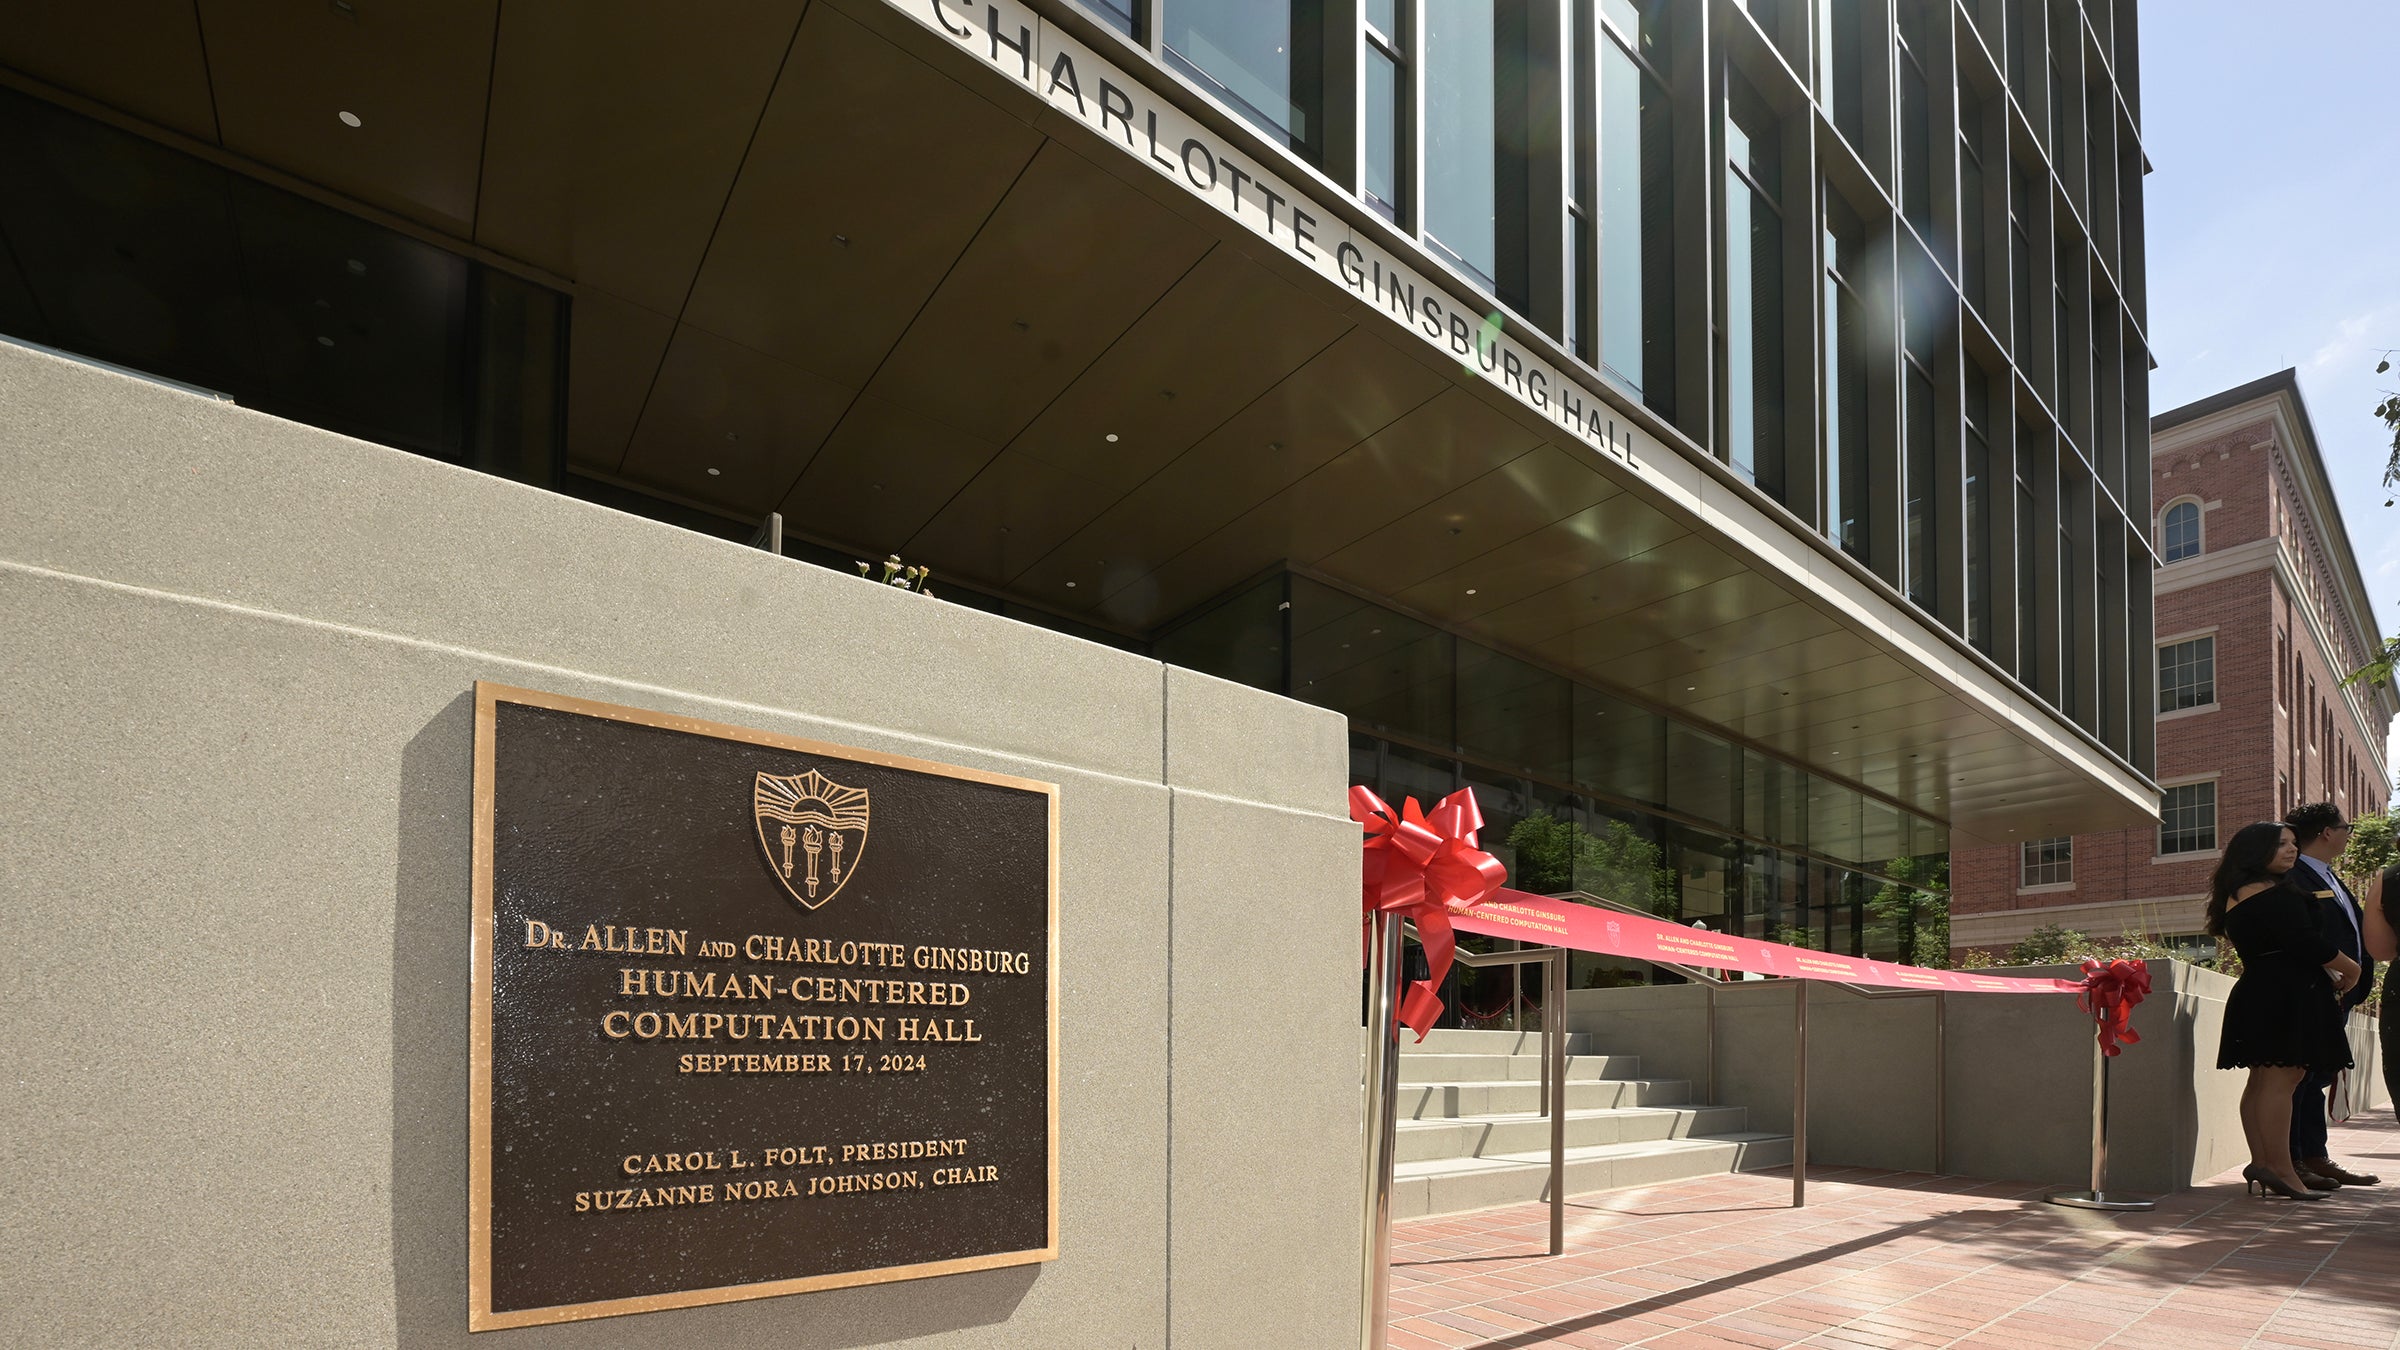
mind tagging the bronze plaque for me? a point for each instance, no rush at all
(753, 1015)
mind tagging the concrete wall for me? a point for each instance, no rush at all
(234, 863)
(2016, 1078)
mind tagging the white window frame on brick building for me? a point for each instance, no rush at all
(2046, 864)
(2190, 822)
(2187, 674)
(2170, 547)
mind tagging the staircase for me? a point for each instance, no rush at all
(1472, 1136)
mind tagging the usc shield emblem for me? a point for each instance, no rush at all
(813, 831)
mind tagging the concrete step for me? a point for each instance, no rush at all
(1516, 1068)
(1427, 1101)
(1455, 1042)
(1489, 1136)
(1449, 1185)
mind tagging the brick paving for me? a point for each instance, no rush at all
(1881, 1259)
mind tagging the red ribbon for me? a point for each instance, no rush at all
(2110, 991)
(1424, 867)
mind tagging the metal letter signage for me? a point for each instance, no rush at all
(695, 1077)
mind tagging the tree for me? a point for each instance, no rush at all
(1618, 864)
(2377, 673)
(1913, 910)
(2049, 945)
(2372, 848)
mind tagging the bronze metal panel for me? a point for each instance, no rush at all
(142, 57)
(1229, 331)
(1011, 513)
(719, 405)
(616, 130)
(1352, 390)
(1551, 561)
(415, 76)
(882, 474)
(1019, 317)
(628, 1150)
(904, 189)
(1431, 451)
(613, 356)
(1526, 494)
(1573, 617)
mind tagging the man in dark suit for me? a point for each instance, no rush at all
(2322, 834)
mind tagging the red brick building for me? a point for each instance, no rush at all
(2260, 612)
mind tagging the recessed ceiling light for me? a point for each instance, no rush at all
(349, 118)
(324, 341)
(1691, 688)
(732, 436)
(1112, 438)
(714, 472)
(842, 239)
(1470, 590)
(357, 268)
(1070, 585)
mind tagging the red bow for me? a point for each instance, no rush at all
(1424, 867)
(2110, 991)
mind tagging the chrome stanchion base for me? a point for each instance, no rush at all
(2117, 1201)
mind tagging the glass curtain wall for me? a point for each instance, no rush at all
(1579, 788)
(1661, 103)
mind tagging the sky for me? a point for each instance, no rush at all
(2273, 218)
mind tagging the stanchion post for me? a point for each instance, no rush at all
(1382, 1124)
(1799, 1093)
(2098, 1197)
(1554, 1029)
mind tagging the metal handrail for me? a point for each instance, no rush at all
(1554, 1064)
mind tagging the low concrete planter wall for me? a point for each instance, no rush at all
(2014, 1082)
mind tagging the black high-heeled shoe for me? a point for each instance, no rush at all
(2259, 1181)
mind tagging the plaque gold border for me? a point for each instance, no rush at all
(480, 1316)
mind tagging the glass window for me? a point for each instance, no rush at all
(1979, 513)
(1117, 14)
(1241, 639)
(1922, 571)
(1619, 749)
(1916, 120)
(1753, 292)
(1637, 297)
(1382, 670)
(2029, 665)
(1841, 75)
(1462, 138)
(1847, 469)
(2182, 532)
(2187, 674)
(1972, 265)
(1383, 131)
(2020, 265)
(1513, 713)
(1262, 58)
(2187, 819)
(2047, 862)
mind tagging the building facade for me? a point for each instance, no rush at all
(1717, 427)
(2261, 614)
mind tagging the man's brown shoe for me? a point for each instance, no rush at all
(2333, 1171)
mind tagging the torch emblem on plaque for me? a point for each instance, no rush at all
(813, 830)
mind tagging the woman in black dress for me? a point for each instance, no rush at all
(2280, 1019)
